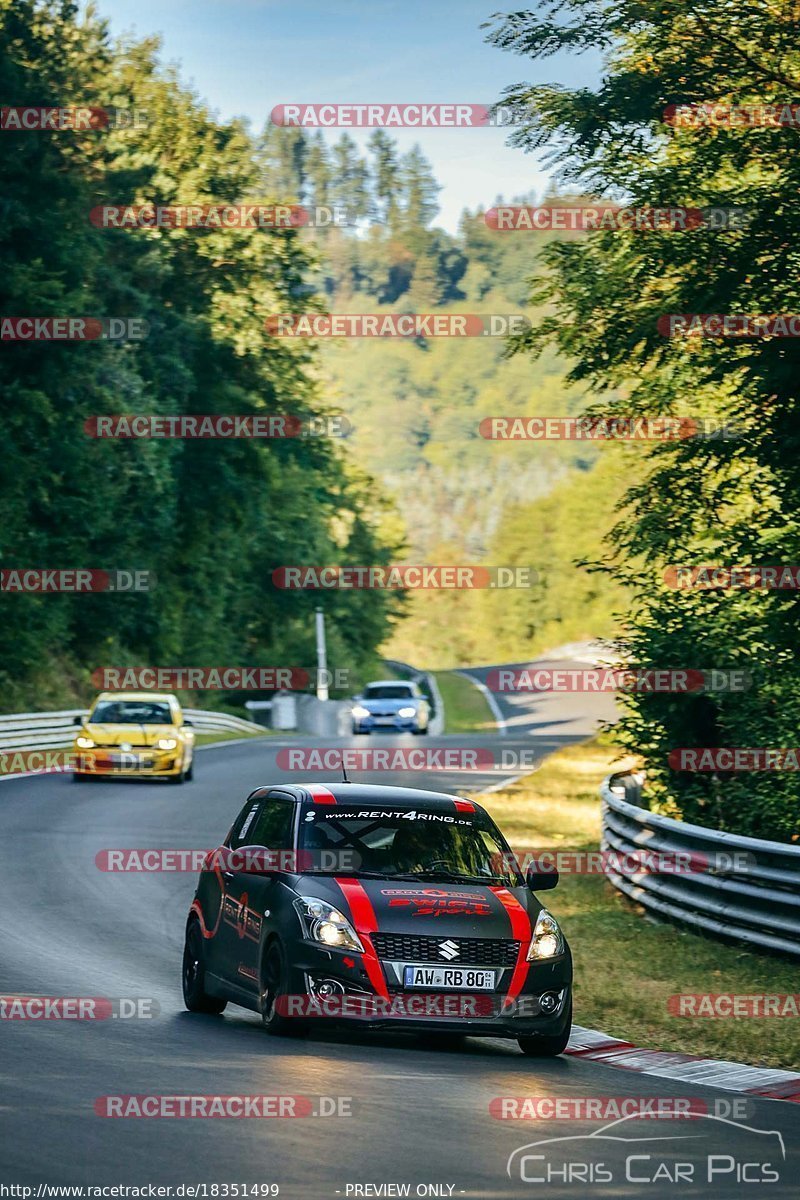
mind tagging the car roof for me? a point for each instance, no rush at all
(137, 696)
(388, 682)
(369, 793)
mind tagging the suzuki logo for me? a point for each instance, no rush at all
(448, 949)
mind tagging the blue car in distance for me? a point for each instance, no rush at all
(391, 705)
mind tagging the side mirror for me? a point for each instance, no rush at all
(77, 720)
(540, 881)
(188, 723)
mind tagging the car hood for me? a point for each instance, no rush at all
(444, 910)
(133, 735)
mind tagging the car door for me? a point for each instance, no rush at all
(246, 900)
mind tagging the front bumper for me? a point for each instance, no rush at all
(117, 764)
(478, 1014)
(385, 724)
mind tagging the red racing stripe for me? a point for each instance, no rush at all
(365, 923)
(521, 932)
(320, 794)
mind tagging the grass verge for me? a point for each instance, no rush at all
(465, 707)
(626, 964)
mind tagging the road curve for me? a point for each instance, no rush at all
(420, 1112)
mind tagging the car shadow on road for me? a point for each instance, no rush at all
(238, 1028)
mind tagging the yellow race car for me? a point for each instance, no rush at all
(134, 734)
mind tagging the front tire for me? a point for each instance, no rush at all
(193, 975)
(274, 988)
(547, 1047)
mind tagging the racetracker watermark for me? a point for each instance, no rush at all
(732, 116)
(409, 1005)
(45, 762)
(78, 1008)
(587, 218)
(615, 679)
(74, 580)
(729, 325)
(253, 860)
(80, 118)
(734, 758)
(630, 863)
(724, 1005)
(612, 1108)
(728, 578)
(396, 325)
(73, 329)
(211, 679)
(219, 216)
(333, 758)
(379, 115)
(402, 577)
(600, 429)
(187, 426)
(208, 1106)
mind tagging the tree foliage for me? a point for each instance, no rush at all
(210, 519)
(702, 501)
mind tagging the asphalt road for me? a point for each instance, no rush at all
(419, 1112)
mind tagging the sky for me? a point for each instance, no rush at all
(246, 56)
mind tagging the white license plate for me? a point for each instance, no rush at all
(463, 978)
(128, 760)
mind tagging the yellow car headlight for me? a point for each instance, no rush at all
(547, 940)
(84, 743)
(166, 743)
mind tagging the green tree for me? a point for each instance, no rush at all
(349, 185)
(704, 500)
(385, 178)
(419, 190)
(211, 520)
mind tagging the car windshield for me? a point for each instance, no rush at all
(130, 712)
(411, 843)
(388, 691)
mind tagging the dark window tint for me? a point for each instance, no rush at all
(243, 824)
(130, 712)
(272, 827)
(389, 691)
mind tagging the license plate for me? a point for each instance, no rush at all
(126, 761)
(463, 978)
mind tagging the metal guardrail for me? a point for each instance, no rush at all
(54, 730)
(736, 887)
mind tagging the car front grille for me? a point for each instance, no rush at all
(477, 952)
(116, 746)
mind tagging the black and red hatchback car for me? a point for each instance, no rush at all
(386, 906)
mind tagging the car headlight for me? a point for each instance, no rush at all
(408, 711)
(324, 923)
(359, 711)
(84, 743)
(547, 940)
(166, 743)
